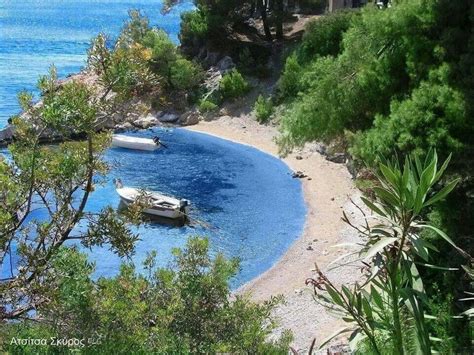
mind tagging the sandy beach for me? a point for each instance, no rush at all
(327, 191)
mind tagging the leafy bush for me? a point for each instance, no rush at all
(289, 83)
(323, 36)
(129, 74)
(193, 26)
(233, 85)
(182, 309)
(347, 91)
(388, 310)
(263, 109)
(207, 106)
(246, 60)
(134, 29)
(184, 74)
(143, 60)
(163, 51)
(431, 117)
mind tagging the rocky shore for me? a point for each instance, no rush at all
(137, 113)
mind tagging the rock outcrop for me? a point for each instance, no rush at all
(6, 135)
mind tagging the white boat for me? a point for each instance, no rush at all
(159, 204)
(139, 143)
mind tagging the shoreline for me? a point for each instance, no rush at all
(327, 191)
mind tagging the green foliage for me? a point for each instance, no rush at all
(444, 323)
(193, 26)
(233, 85)
(59, 180)
(134, 29)
(185, 308)
(391, 303)
(434, 116)
(70, 108)
(163, 51)
(400, 79)
(289, 83)
(184, 74)
(382, 57)
(323, 36)
(144, 61)
(123, 70)
(207, 106)
(263, 109)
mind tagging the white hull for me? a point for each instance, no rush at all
(161, 205)
(121, 141)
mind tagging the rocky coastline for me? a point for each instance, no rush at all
(137, 113)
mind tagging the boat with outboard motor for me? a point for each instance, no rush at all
(138, 143)
(157, 203)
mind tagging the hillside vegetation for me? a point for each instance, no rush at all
(394, 85)
(396, 82)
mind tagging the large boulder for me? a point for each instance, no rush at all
(127, 126)
(108, 123)
(339, 158)
(190, 118)
(146, 122)
(6, 134)
(225, 65)
(211, 58)
(169, 117)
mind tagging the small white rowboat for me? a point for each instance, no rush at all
(122, 141)
(160, 205)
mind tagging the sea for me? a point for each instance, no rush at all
(243, 200)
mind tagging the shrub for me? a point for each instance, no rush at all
(186, 308)
(432, 117)
(207, 106)
(289, 83)
(193, 26)
(233, 85)
(163, 51)
(323, 36)
(246, 60)
(387, 313)
(129, 74)
(184, 74)
(134, 29)
(263, 109)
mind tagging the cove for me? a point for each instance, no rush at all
(246, 201)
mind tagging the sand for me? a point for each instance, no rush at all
(327, 192)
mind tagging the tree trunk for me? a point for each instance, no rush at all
(279, 19)
(263, 12)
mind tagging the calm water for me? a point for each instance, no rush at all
(251, 206)
(37, 33)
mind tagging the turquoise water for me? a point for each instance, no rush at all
(250, 205)
(37, 33)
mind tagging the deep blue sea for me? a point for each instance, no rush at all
(37, 33)
(246, 201)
